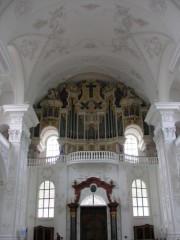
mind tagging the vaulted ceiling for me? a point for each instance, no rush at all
(46, 42)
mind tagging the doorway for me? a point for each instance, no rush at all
(93, 223)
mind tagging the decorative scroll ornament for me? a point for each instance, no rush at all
(169, 133)
(15, 135)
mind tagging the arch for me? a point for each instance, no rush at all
(136, 131)
(18, 84)
(45, 134)
(108, 188)
(164, 73)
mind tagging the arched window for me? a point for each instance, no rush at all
(131, 145)
(140, 199)
(46, 200)
(52, 146)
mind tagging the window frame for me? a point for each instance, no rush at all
(128, 136)
(142, 197)
(48, 199)
(52, 155)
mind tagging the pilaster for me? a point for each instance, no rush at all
(163, 117)
(19, 118)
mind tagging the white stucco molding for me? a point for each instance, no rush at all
(175, 61)
(6, 65)
(19, 116)
(163, 115)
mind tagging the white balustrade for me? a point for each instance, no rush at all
(93, 156)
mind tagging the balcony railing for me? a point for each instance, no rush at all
(93, 157)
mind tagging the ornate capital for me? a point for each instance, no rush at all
(169, 133)
(15, 135)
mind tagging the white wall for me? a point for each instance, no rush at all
(122, 176)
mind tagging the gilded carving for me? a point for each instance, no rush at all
(91, 110)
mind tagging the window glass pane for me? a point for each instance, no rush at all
(46, 193)
(51, 185)
(52, 147)
(51, 212)
(40, 203)
(139, 202)
(130, 146)
(133, 184)
(45, 213)
(46, 203)
(138, 183)
(40, 213)
(146, 211)
(143, 185)
(139, 194)
(134, 202)
(145, 202)
(140, 211)
(134, 192)
(52, 193)
(41, 193)
(144, 192)
(42, 186)
(46, 184)
(51, 203)
(135, 213)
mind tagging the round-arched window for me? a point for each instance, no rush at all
(131, 145)
(52, 146)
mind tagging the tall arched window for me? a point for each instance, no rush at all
(140, 199)
(131, 146)
(52, 146)
(46, 200)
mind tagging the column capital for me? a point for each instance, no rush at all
(163, 116)
(17, 114)
(20, 118)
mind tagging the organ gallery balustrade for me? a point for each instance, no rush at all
(93, 157)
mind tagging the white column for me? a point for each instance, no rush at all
(163, 117)
(19, 118)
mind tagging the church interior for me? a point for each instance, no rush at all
(89, 120)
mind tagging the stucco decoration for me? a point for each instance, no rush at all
(153, 46)
(47, 173)
(158, 6)
(90, 6)
(57, 29)
(124, 24)
(100, 184)
(98, 171)
(15, 135)
(40, 23)
(23, 7)
(28, 48)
